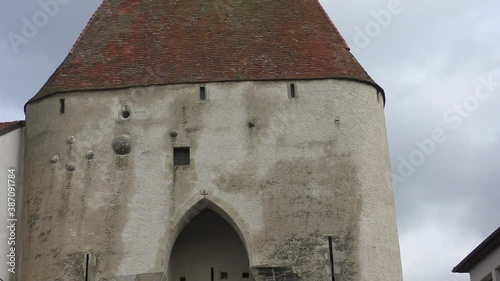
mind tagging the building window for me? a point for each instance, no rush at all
(203, 93)
(181, 156)
(245, 275)
(224, 276)
(292, 90)
(62, 106)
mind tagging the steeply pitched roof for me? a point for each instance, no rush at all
(130, 43)
(7, 127)
(479, 253)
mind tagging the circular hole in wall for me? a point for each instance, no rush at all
(126, 114)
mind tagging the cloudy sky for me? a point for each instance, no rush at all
(439, 63)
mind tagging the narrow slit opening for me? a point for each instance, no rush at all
(330, 246)
(292, 91)
(62, 106)
(87, 267)
(203, 93)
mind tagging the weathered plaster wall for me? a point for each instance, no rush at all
(11, 156)
(286, 173)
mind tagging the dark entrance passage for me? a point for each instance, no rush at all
(209, 249)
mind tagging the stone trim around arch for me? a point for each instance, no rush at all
(187, 211)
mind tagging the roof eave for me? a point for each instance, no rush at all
(49, 94)
(484, 249)
(15, 126)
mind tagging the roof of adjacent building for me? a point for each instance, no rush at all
(130, 43)
(479, 253)
(7, 127)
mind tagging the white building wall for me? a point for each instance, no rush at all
(11, 156)
(489, 265)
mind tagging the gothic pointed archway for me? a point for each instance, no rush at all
(209, 248)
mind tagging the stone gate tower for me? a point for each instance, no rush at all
(208, 140)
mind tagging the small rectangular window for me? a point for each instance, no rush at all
(61, 106)
(245, 275)
(181, 156)
(183, 279)
(293, 91)
(224, 275)
(203, 93)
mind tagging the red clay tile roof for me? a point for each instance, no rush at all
(7, 127)
(130, 43)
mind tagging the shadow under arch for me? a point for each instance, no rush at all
(186, 212)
